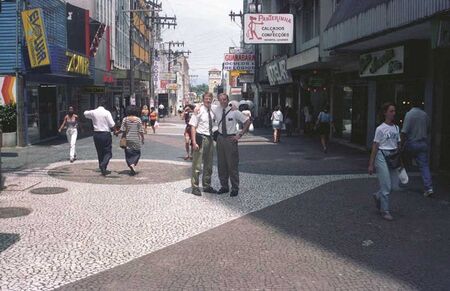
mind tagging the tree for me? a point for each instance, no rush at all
(200, 89)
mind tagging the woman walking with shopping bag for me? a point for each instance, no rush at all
(385, 158)
(132, 138)
(71, 121)
(277, 123)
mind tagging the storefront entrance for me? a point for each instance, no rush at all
(445, 134)
(47, 111)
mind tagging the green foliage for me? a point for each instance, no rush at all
(8, 118)
(200, 89)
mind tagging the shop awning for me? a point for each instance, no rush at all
(355, 20)
(350, 8)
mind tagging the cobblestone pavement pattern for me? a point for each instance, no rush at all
(291, 227)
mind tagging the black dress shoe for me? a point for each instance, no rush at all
(209, 190)
(223, 190)
(196, 192)
(234, 193)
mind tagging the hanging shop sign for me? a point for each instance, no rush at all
(236, 91)
(268, 28)
(172, 86)
(239, 62)
(246, 78)
(168, 76)
(278, 73)
(7, 90)
(381, 63)
(35, 37)
(94, 90)
(77, 64)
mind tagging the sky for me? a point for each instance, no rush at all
(206, 29)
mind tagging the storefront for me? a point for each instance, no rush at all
(55, 71)
(350, 107)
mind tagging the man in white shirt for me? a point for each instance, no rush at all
(227, 144)
(103, 123)
(203, 146)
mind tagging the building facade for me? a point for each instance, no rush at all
(355, 55)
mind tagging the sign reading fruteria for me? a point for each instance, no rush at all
(268, 28)
(381, 63)
(34, 31)
(239, 62)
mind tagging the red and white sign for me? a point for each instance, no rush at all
(239, 62)
(268, 28)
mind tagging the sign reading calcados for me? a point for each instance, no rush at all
(34, 31)
(268, 28)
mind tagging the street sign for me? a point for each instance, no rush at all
(268, 28)
(239, 62)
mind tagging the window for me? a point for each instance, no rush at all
(311, 19)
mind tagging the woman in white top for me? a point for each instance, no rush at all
(277, 121)
(385, 143)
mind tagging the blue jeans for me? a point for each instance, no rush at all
(419, 151)
(387, 178)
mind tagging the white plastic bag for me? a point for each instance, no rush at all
(251, 127)
(403, 176)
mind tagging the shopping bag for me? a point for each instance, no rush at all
(156, 124)
(251, 127)
(403, 176)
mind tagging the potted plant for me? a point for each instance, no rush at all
(8, 125)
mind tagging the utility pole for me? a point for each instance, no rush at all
(164, 21)
(20, 104)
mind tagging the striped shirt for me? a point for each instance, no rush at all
(132, 127)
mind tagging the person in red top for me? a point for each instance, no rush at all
(153, 117)
(188, 111)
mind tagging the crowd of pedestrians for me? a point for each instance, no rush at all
(223, 124)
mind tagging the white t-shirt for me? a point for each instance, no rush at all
(277, 117)
(231, 119)
(387, 136)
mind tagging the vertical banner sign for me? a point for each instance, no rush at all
(7, 90)
(35, 37)
(268, 28)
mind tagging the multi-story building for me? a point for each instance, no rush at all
(214, 80)
(354, 55)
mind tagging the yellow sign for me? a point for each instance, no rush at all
(34, 30)
(77, 64)
(237, 73)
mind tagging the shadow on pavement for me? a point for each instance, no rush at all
(7, 240)
(329, 238)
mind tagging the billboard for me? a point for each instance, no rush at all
(78, 31)
(268, 28)
(239, 62)
(34, 31)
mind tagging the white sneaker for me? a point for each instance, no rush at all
(428, 193)
(386, 215)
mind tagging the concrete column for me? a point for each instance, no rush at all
(371, 111)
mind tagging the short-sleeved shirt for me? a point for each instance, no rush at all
(387, 136)
(201, 121)
(231, 119)
(325, 117)
(132, 128)
(416, 125)
(101, 119)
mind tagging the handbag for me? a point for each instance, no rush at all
(394, 160)
(123, 139)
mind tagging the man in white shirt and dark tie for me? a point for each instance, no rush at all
(227, 144)
(203, 146)
(103, 124)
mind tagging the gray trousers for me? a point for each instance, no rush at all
(228, 162)
(203, 156)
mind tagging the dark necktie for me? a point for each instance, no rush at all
(224, 125)
(210, 122)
